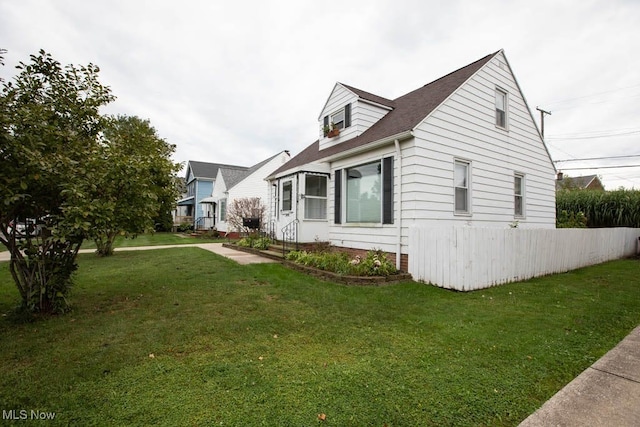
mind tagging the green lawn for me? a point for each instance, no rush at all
(150, 239)
(184, 337)
(154, 239)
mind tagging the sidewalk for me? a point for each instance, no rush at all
(237, 256)
(605, 394)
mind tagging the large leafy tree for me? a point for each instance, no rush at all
(49, 128)
(135, 182)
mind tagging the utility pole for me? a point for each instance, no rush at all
(542, 113)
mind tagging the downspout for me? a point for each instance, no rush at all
(399, 221)
(297, 198)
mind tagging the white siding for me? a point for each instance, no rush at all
(219, 193)
(463, 127)
(364, 115)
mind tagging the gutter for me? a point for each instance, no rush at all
(368, 147)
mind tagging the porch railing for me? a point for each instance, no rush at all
(290, 236)
(204, 223)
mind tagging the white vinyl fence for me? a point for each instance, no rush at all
(466, 259)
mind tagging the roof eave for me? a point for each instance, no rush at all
(368, 147)
(316, 166)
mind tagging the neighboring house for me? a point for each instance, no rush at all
(462, 150)
(233, 184)
(197, 205)
(179, 213)
(589, 182)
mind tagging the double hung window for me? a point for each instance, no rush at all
(518, 194)
(315, 198)
(287, 195)
(461, 187)
(501, 108)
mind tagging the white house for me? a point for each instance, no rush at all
(462, 150)
(235, 183)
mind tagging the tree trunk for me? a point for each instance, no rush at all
(104, 243)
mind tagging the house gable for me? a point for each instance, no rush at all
(464, 128)
(355, 111)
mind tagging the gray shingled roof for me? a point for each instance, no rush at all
(370, 96)
(209, 170)
(408, 111)
(232, 176)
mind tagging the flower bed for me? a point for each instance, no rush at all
(372, 269)
(374, 263)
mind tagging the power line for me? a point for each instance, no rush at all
(592, 137)
(602, 167)
(592, 95)
(597, 158)
(599, 132)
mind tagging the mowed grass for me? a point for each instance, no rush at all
(184, 337)
(154, 239)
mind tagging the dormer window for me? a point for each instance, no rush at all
(337, 119)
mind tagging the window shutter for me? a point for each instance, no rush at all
(337, 196)
(347, 115)
(326, 121)
(387, 190)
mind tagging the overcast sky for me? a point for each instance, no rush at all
(236, 82)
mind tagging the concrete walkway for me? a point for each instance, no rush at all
(237, 256)
(605, 394)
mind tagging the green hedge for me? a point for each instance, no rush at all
(619, 208)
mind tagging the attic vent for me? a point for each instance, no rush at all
(501, 65)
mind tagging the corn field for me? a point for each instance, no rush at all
(619, 208)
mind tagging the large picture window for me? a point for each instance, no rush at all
(364, 193)
(286, 195)
(315, 198)
(367, 190)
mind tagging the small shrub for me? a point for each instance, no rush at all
(246, 242)
(261, 243)
(253, 241)
(571, 220)
(185, 227)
